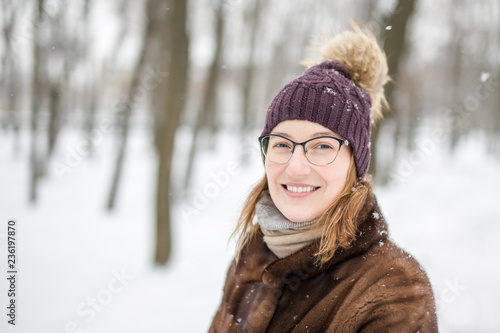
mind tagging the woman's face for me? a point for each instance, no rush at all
(286, 179)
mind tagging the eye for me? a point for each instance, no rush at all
(323, 146)
(282, 145)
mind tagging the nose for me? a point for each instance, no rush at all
(298, 165)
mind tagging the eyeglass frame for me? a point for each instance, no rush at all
(303, 144)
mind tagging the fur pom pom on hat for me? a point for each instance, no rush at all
(343, 91)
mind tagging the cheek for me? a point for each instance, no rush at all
(336, 185)
(337, 178)
(272, 172)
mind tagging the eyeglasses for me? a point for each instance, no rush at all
(322, 150)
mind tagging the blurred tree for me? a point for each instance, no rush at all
(92, 83)
(37, 84)
(125, 107)
(395, 45)
(10, 80)
(56, 75)
(454, 68)
(123, 32)
(248, 107)
(174, 55)
(495, 107)
(207, 114)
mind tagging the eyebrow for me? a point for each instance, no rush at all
(312, 136)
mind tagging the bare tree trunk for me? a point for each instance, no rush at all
(124, 117)
(394, 47)
(10, 79)
(35, 106)
(14, 114)
(455, 93)
(91, 84)
(207, 112)
(455, 71)
(124, 27)
(247, 119)
(91, 108)
(54, 117)
(414, 108)
(176, 42)
(8, 18)
(57, 81)
(494, 145)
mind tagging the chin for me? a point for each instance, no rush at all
(297, 218)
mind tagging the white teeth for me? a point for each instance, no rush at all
(300, 189)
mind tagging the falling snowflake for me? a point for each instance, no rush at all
(485, 76)
(376, 215)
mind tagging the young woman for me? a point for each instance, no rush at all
(313, 251)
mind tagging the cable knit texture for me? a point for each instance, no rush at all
(325, 95)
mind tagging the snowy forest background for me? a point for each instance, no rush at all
(128, 143)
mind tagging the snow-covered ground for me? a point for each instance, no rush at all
(82, 269)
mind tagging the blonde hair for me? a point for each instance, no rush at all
(338, 221)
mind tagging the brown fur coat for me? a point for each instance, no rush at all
(374, 286)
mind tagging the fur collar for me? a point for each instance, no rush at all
(258, 263)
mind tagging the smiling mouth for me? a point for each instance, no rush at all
(300, 189)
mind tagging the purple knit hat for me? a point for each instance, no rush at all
(325, 95)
